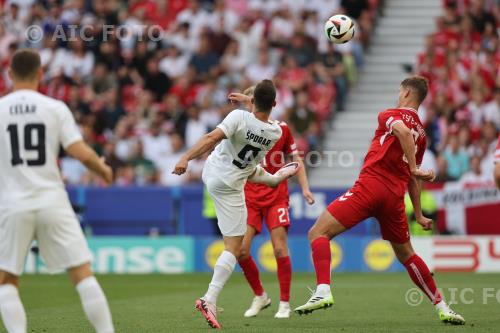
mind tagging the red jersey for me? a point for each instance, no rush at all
(497, 151)
(385, 159)
(262, 195)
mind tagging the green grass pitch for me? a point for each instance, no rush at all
(164, 303)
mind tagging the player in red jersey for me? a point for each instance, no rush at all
(497, 163)
(271, 204)
(391, 166)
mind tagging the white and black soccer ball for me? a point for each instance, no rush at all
(339, 28)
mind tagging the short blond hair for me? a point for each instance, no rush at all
(249, 91)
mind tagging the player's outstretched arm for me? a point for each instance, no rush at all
(82, 152)
(206, 143)
(403, 133)
(302, 180)
(241, 98)
(414, 190)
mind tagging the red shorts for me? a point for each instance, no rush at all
(370, 198)
(275, 216)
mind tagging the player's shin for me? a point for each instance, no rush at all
(422, 277)
(322, 259)
(95, 305)
(284, 277)
(251, 273)
(222, 271)
(12, 310)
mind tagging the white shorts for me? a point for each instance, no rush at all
(58, 234)
(229, 205)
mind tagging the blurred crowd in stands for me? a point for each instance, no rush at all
(462, 112)
(152, 76)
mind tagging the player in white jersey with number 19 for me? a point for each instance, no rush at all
(33, 201)
(243, 140)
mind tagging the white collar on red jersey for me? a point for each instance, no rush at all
(410, 109)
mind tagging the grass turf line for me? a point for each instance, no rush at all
(364, 302)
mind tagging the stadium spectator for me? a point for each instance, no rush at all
(461, 60)
(128, 88)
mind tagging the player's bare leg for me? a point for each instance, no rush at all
(325, 228)
(223, 269)
(422, 277)
(261, 300)
(279, 239)
(93, 300)
(11, 308)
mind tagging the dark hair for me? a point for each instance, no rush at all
(264, 95)
(25, 64)
(417, 84)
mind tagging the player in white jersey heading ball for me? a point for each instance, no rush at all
(242, 140)
(33, 201)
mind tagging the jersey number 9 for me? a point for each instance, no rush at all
(246, 155)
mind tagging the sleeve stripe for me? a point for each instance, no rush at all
(497, 155)
(394, 123)
(388, 122)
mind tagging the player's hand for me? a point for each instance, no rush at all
(238, 98)
(426, 175)
(107, 174)
(180, 167)
(308, 196)
(425, 223)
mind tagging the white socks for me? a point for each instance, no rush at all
(12, 310)
(222, 271)
(323, 289)
(441, 306)
(95, 305)
(261, 176)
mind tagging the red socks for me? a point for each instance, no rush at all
(252, 275)
(322, 258)
(421, 276)
(284, 277)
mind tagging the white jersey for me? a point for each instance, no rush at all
(247, 142)
(32, 129)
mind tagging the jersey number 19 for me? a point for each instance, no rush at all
(30, 131)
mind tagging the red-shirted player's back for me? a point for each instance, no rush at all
(385, 159)
(261, 195)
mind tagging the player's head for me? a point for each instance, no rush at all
(25, 67)
(264, 96)
(413, 91)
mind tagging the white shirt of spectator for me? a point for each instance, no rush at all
(174, 66)
(429, 161)
(242, 130)
(33, 181)
(166, 164)
(492, 113)
(197, 21)
(156, 148)
(195, 129)
(66, 62)
(256, 71)
(72, 170)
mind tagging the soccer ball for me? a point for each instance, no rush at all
(339, 29)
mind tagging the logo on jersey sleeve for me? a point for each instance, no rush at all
(346, 196)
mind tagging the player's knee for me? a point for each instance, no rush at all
(403, 254)
(280, 251)
(313, 233)
(244, 254)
